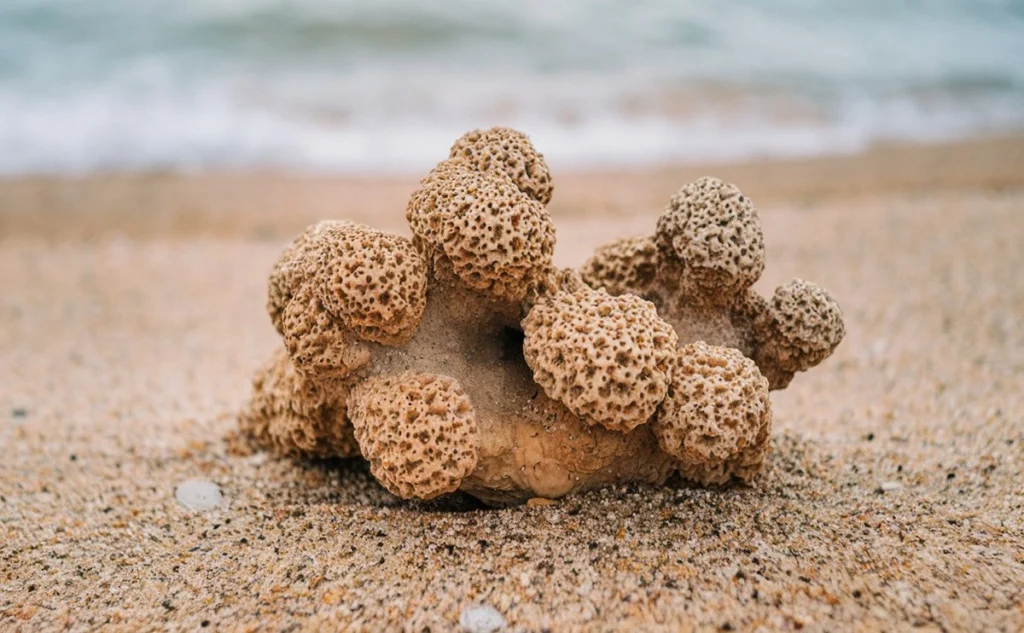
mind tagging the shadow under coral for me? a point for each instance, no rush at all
(797, 466)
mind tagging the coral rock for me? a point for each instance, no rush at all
(464, 360)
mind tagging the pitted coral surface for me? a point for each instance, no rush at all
(699, 268)
(608, 358)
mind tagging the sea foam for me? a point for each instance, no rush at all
(336, 85)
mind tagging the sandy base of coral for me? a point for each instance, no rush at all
(132, 316)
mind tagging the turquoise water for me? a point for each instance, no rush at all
(338, 85)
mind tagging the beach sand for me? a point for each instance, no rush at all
(132, 318)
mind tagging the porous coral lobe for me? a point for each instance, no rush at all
(340, 285)
(448, 185)
(418, 431)
(373, 282)
(510, 153)
(627, 265)
(809, 320)
(319, 344)
(801, 327)
(607, 358)
(294, 268)
(501, 242)
(717, 416)
(498, 239)
(296, 416)
(712, 232)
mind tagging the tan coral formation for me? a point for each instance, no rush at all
(462, 359)
(699, 269)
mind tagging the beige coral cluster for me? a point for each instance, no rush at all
(699, 268)
(462, 359)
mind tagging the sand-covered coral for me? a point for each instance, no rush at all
(699, 268)
(462, 359)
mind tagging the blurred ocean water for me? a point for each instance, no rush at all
(340, 85)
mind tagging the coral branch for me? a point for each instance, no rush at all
(698, 269)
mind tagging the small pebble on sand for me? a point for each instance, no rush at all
(199, 494)
(481, 618)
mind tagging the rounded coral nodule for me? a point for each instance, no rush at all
(419, 432)
(340, 285)
(608, 359)
(629, 265)
(319, 346)
(292, 269)
(296, 416)
(437, 191)
(805, 326)
(509, 152)
(713, 232)
(716, 420)
(499, 240)
(374, 282)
